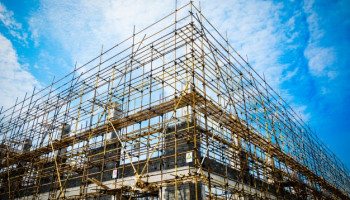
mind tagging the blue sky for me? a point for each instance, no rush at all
(302, 47)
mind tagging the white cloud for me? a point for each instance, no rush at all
(254, 29)
(301, 112)
(15, 80)
(290, 74)
(83, 26)
(320, 58)
(14, 28)
(313, 21)
(7, 19)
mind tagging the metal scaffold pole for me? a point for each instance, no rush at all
(172, 112)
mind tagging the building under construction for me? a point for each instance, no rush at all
(172, 112)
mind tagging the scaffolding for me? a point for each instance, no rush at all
(172, 112)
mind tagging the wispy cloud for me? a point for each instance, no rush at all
(320, 58)
(14, 28)
(83, 26)
(268, 33)
(253, 27)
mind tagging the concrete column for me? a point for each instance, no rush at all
(115, 112)
(27, 145)
(184, 191)
(65, 130)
